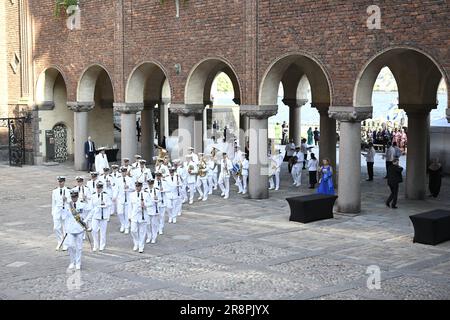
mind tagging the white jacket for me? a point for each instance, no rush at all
(137, 213)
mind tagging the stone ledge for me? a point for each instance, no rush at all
(128, 108)
(259, 112)
(186, 109)
(351, 114)
(81, 106)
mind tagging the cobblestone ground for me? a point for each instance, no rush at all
(238, 249)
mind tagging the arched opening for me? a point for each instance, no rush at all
(299, 86)
(148, 86)
(417, 76)
(51, 97)
(95, 86)
(439, 129)
(213, 87)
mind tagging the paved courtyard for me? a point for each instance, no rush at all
(235, 249)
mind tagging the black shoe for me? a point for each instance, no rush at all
(388, 205)
(394, 207)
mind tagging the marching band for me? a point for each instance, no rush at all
(142, 199)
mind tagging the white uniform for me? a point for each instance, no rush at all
(84, 196)
(100, 217)
(174, 196)
(124, 188)
(297, 169)
(101, 161)
(115, 175)
(183, 174)
(276, 161)
(224, 177)
(163, 203)
(153, 211)
(236, 159)
(203, 181)
(191, 179)
(59, 206)
(141, 175)
(212, 175)
(75, 232)
(139, 218)
(108, 187)
(245, 168)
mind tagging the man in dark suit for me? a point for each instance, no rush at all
(394, 178)
(89, 151)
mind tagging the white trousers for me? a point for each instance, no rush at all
(162, 217)
(215, 180)
(244, 183)
(210, 184)
(58, 228)
(176, 208)
(191, 187)
(275, 177)
(99, 229)
(138, 233)
(122, 212)
(224, 184)
(297, 174)
(203, 193)
(74, 242)
(184, 192)
(239, 184)
(152, 227)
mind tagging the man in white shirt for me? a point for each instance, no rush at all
(370, 160)
(192, 170)
(174, 195)
(194, 155)
(389, 156)
(290, 150)
(276, 161)
(245, 168)
(224, 177)
(140, 203)
(125, 186)
(60, 197)
(100, 214)
(297, 167)
(101, 160)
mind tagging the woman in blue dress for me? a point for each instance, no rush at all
(326, 185)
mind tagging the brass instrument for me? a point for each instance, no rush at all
(202, 168)
(239, 173)
(162, 153)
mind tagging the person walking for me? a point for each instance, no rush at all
(89, 151)
(435, 178)
(394, 178)
(310, 137)
(290, 150)
(370, 160)
(313, 163)
(304, 150)
(316, 136)
(326, 185)
(389, 157)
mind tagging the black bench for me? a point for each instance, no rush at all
(311, 207)
(431, 227)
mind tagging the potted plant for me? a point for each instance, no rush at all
(64, 4)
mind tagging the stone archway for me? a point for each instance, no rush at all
(93, 111)
(51, 108)
(418, 76)
(144, 91)
(197, 96)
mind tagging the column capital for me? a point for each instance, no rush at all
(259, 112)
(81, 106)
(417, 109)
(44, 105)
(128, 108)
(321, 107)
(186, 110)
(295, 103)
(350, 114)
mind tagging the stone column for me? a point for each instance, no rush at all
(349, 188)
(198, 132)
(327, 143)
(147, 131)
(244, 125)
(416, 159)
(295, 124)
(186, 125)
(80, 122)
(128, 125)
(258, 141)
(163, 115)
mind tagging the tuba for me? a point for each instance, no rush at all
(202, 168)
(162, 153)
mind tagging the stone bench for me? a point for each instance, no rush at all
(311, 208)
(431, 227)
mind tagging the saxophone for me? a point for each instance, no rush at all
(77, 216)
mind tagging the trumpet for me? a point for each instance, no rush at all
(202, 169)
(162, 153)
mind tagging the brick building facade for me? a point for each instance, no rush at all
(128, 52)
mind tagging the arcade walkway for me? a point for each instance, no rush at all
(238, 249)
